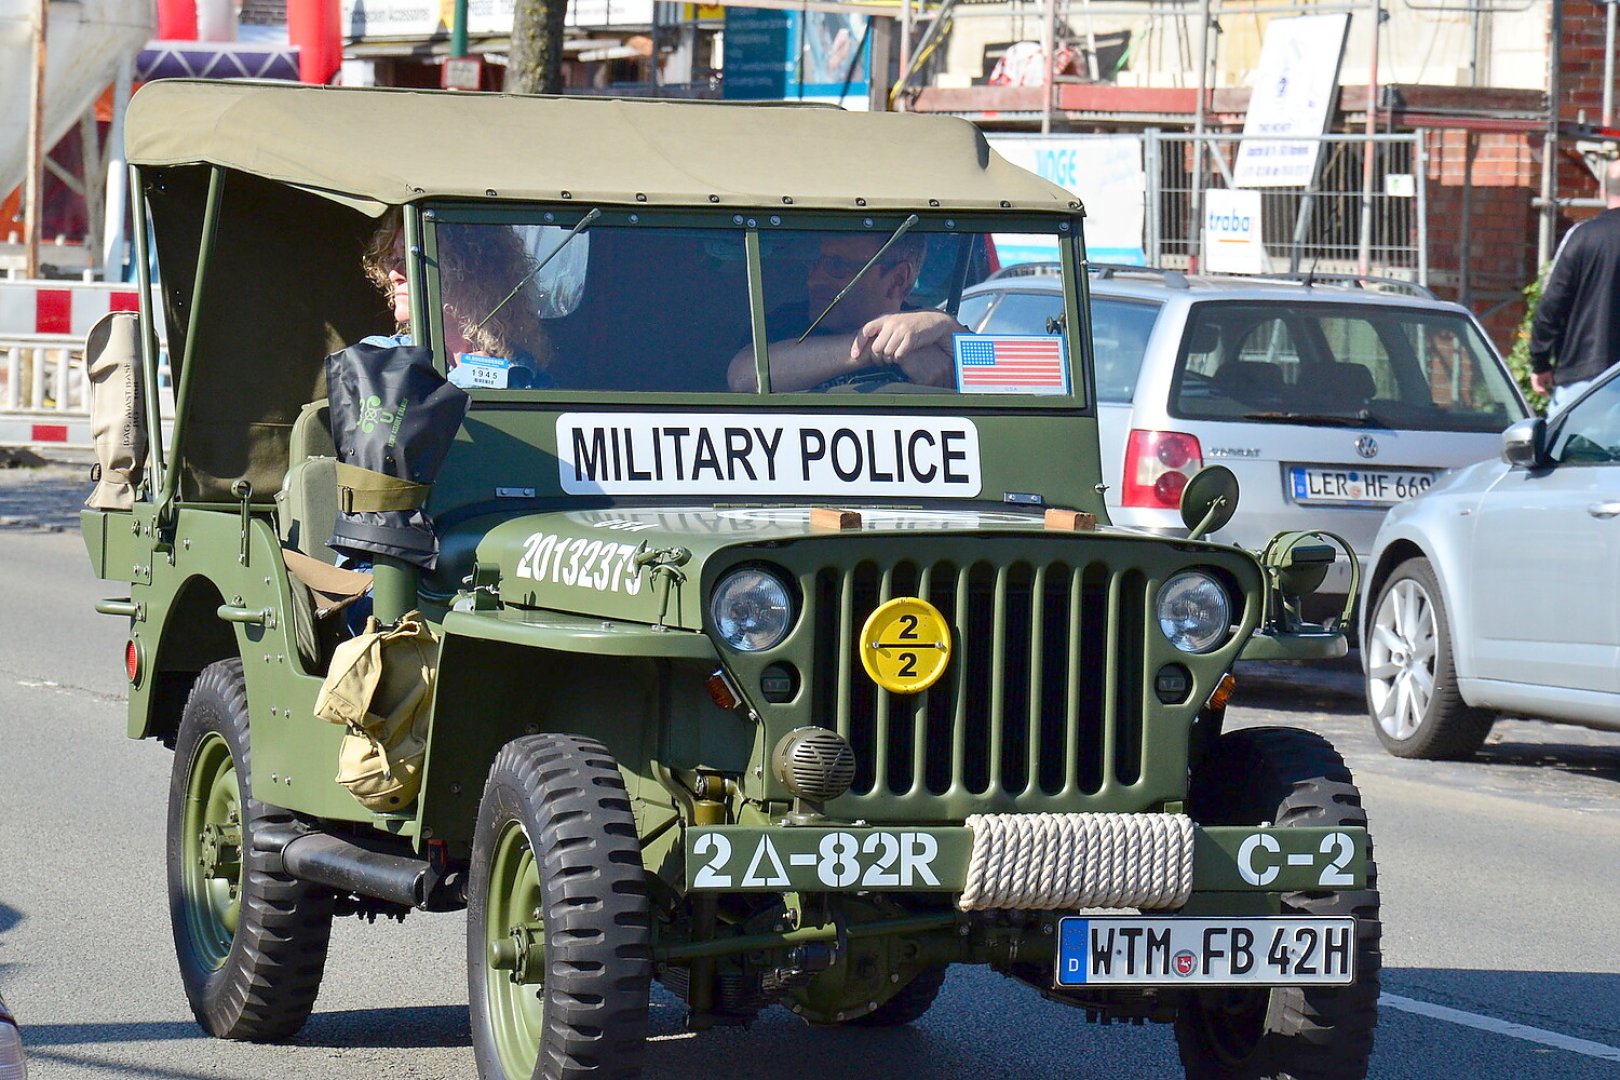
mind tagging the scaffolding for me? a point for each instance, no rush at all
(1477, 42)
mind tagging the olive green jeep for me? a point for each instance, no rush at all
(781, 650)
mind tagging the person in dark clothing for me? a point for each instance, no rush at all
(1575, 336)
(866, 332)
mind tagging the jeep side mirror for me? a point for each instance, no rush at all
(1525, 443)
(1209, 500)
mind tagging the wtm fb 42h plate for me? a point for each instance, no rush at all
(1263, 951)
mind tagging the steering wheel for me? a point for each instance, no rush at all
(864, 381)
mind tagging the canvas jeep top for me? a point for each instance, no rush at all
(703, 664)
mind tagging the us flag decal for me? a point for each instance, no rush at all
(1011, 364)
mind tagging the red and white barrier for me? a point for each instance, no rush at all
(18, 430)
(43, 324)
(60, 307)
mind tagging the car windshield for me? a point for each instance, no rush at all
(606, 303)
(1119, 329)
(1353, 365)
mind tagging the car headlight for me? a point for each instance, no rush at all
(751, 609)
(1193, 612)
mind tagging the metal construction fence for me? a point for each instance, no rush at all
(44, 394)
(1330, 226)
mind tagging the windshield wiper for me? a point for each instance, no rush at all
(897, 234)
(1335, 419)
(584, 223)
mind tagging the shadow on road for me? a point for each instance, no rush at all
(406, 1026)
(38, 1035)
(1596, 762)
(1333, 688)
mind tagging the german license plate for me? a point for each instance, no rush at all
(1348, 486)
(1173, 951)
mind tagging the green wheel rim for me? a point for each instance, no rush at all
(516, 1008)
(211, 837)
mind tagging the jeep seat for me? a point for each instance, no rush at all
(306, 508)
(307, 504)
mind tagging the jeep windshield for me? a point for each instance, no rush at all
(630, 303)
(1341, 364)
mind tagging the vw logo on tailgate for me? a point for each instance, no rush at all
(1367, 446)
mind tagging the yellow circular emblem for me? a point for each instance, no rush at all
(906, 645)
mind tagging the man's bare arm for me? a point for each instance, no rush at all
(798, 365)
(918, 342)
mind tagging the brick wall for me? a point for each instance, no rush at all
(1506, 172)
(1501, 232)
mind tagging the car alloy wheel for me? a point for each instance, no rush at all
(1417, 707)
(1401, 659)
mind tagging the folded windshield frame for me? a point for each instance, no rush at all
(756, 231)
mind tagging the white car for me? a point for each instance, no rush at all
(1331, 402)
(1496, 590)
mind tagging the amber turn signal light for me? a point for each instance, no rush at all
(722, 691)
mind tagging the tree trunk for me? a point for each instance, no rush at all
(535, 63)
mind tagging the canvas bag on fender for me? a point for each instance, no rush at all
(112, 354)
(380, 686)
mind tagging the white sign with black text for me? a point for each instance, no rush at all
(1293, 95)
(767, 454)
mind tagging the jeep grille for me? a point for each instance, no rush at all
(1007, 722)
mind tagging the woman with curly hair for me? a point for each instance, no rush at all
(491, 301)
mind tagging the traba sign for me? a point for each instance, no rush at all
(767, 454)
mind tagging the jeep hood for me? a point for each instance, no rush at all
(601, 562)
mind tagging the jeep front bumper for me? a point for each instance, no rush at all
(1030, 861)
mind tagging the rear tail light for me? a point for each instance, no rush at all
(132, 660)
(1158, 465)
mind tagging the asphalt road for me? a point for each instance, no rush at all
(1501, 903)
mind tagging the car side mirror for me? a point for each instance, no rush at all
(1209, 500)
(1525, 443)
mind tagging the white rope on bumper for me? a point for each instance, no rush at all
(1064, 861)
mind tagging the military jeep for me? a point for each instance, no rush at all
(775, 696)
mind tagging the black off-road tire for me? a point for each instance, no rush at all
(260, 981)
(909, 1005)
(564, 795)
(1448, 729)
(1290, 778)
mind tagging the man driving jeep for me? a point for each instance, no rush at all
(863, 337)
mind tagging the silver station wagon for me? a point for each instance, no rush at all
(1331, 401)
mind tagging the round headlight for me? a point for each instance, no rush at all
(1193, 612)
(751, 609)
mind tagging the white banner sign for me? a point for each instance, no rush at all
(412, 19)
(1233, 235)
(601, 14)
(1293, 95)
(767, 454)
(1105, 171)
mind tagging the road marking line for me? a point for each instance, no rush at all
(1502, 1027)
